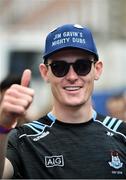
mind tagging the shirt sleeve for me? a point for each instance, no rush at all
(13, 154)
(122, 130)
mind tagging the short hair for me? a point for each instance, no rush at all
(8, 81)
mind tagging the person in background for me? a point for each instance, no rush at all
(7, 82)
(116, 106)
(72, 141)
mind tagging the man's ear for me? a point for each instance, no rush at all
(44, 72)
(98, 69)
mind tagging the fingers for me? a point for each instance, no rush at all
(19, 91)
(18, 96)
(16, 100)
(26, 77)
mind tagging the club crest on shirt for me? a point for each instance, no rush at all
(115, 160)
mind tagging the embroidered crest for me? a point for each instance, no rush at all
(115, 160)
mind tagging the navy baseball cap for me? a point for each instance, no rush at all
(70, 36)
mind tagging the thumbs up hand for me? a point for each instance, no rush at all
(16, 101)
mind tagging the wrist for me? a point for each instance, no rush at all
(4, 130)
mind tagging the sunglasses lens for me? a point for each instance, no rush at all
(60, 68)
(82, 67)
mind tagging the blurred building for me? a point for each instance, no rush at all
(24, 25)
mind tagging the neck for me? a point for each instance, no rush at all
(73, 114)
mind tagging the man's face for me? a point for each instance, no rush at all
(72, 90)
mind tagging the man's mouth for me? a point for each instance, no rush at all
(72, 88)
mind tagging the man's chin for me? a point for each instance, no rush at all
(74, 104)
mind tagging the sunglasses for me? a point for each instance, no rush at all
(81, 66)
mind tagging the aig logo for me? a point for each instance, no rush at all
(51, 161)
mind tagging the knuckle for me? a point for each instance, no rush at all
(14, 86)
(8, 91)
(30, 99)
(21, 110)
(32, 92)
(25, 103)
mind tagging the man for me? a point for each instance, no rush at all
(72, 141)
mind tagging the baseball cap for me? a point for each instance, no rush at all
(70, 36)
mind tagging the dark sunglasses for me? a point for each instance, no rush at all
(81, 66)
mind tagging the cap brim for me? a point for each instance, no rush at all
(87, 50)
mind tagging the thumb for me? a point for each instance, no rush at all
(26, 77)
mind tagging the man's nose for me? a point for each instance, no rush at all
(71, 75)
